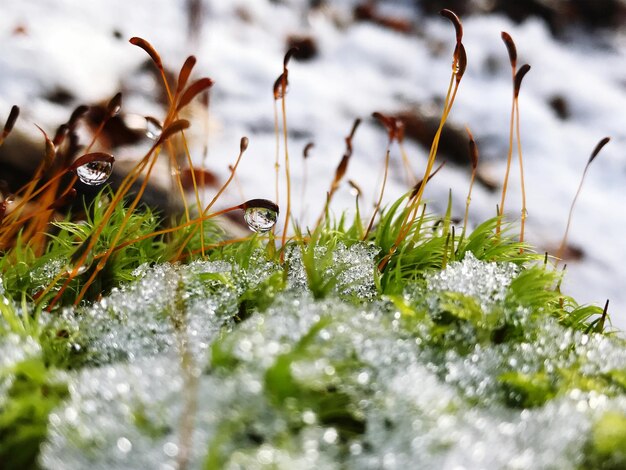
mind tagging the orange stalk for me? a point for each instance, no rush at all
(287, 174)
(243, 146)
(473, 149)
(126, 184)
(380, 198)
(594, 154)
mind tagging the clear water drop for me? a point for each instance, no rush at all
(153, 128)
(260, 219)
(94, 173)
(260, 215)
(80, 270)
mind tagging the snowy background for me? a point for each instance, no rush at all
(56, 54)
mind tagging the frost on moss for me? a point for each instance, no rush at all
(347, 271)
(487, 283)
(326, 383)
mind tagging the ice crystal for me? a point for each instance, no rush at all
(13, 350)
(257, 270)
(486, 282)
(43, 275)
(415, 409)
(352, 268)
(118, 416)
(141, 319)
(263, 400)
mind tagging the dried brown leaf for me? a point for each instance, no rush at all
(8, 126)
(599, 147)
(194, 89)
(185, 72)
(91, 157)
(280, 86)
(473, 149)
(449, 14)
(307, 149)
(519, 76)
(173, 128)
(262, 203)
(146, 46)
(243, 144)
(510, 47)
(388, 123)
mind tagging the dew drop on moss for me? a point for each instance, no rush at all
(94, 173)
(153, 128)
(260, 219)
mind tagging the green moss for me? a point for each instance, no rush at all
(34, 393)
(607, 448)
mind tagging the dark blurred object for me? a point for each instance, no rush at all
(195, 13)
(571, 253)
(306, 47)
(20, 30)
(460, 7)
(421, 126)
(557, 14)
(115, 132)
(560, 106)
(367, 11)
(200, 178)
(60, 95)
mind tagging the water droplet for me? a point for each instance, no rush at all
(94, 173)
(330, 435)
(356, 449)
(153, 128)
(115, 105)
(170, 449)
(80, 270)
(309, 417)
(260, 215)
(124, 445)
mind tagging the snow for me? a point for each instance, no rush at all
(361, 68)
